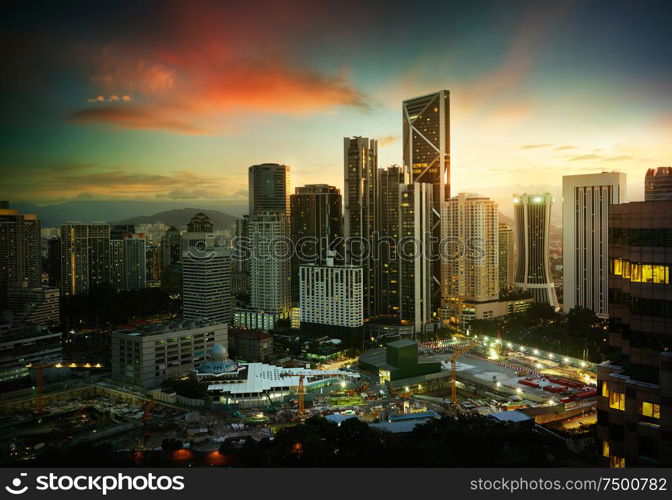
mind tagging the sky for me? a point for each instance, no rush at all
(173, 100)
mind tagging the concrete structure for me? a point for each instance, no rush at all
(251, 345)
(532, 214)
(25, 345)
(331, 295)
(415, 269)
(658, 184)
(271, 263)
(426, 152)
(255, 320)
(585, 216)
(35, 306)
(153, 353)
(469, 311)
(85, 257)
(390, 180)
(634, 419)
(269, 189)
(360, 158)
(397, 361)
(507, 256)
(20, 256)
(470, 269)
(316, 222)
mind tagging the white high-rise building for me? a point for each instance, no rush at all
(470, 270)
(331, 295)
(585, 217)
(532, 213)
(271, 263)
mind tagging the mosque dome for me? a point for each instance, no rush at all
(218, 361)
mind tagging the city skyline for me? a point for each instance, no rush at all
(163, 114)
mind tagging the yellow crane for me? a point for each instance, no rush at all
(301, 411)
(453, 368)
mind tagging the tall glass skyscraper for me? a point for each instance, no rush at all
(532, 213)
(269, 189)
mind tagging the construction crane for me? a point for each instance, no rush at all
(453, 368)
(39, 368)
(301, 412)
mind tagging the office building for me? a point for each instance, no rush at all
(26, 344)
(331, 295)
(658, 184)
(252, 319)
(271, 263)
(85, 257)
(153, 259)
(128, 258)
(360, 157)
(269, 189)
(390, 180)
(507, 256)
(206, 275)
(20, 250)
(150, 354)
(585, 218)
(415, 268)
(54, 262)
(426, 152)
(171, 248)
(532, 214)
(316, 224)
(250, 345)
(634, 408)
(35, 306)
(470, 267)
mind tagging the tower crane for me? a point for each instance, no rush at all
(453, 368)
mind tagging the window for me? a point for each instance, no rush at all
(616, 400)
(605, 390)
(651, 410)
(605, 449)
(616, 462)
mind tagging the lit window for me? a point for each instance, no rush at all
(616, 462)
(605, 390)
(649, 409)
(605, 449)
(616, 400)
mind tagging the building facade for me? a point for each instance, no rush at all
(532, 214)
(85, 257)
(415, 269)
(331, 295)
(35, 306)
(507, 256)
(658, 184)
(634, 417)
(360, 157)
(151, 354)
(269, 189)
(585, 220)
(251, 345)
(316, 224)
(270, 263)
(470, 268)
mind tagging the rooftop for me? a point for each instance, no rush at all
(178, 325)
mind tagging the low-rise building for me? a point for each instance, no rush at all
(250, 345)
(153, 353)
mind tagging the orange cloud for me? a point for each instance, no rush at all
(139, 118)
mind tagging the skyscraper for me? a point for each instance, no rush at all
(360, 155)
(316, 222)
(426, 150)
(206, 274)
(171, 248)
(634, 406)
(658, 184)
(415, 269)
(269, 189)
(532, 215)
(20, 250)
(85, 257)
(270, 263)
(585, 217)
(390, 180)
(135, 262)
(506, 256)
(470, 270)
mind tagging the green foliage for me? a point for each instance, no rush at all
(188, 387)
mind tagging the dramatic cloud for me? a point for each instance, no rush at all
(134, 118)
